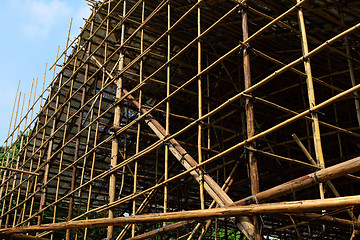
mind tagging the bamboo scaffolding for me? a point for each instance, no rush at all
(173, 81)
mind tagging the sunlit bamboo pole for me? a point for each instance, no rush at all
(16, 162)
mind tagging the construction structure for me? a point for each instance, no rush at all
(198, 119)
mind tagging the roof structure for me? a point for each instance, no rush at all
(195, 119)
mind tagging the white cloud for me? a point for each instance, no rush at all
(38, 17)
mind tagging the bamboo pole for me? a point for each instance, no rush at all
(311, 98)
(77, 139)
(167, 114)
(18, 170)
(16, 160)
(223, 212)
(352, 74)
(8, 161)
(28, 185)
(96, 131)
(22, 139)
(250, 129)
(139, 112)
(200, 110)
(49, 150)
(116, 123)
(3, 164)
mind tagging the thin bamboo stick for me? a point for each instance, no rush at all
(139, 112)
(3, 173)
(16, 160)
(37, 123)
(8, 159)
(352, 74)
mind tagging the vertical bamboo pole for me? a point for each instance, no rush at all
(77, 140)
(352, 74)
(167, 120)
(8, 157)
(96, 133)
(334, 106)
(47, 166)
(311, 94)
(65, 127)
(29, 187)
(312, 103)
(202, 201)
(115, 141)
(23, 212)
(24, 154)
(199, 140)
(249, 110)
(139, 112)
(17, 162)
(97, 123)
(3, 157)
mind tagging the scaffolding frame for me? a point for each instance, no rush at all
(167, 118)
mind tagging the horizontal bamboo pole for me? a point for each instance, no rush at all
(19, 171)
(223, 212)
(311, 179)
(318, 218)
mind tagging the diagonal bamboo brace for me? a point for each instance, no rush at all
(213, 189)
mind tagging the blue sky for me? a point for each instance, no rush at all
(31, 31)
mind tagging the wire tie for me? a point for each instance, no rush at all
(182, 159)
(165, 142)
(248, 200)
(298, 7)
(316, 177)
